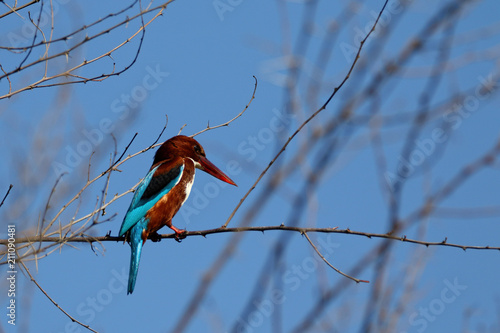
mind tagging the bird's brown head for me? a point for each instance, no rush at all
(187, 147)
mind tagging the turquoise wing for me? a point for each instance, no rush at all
(147, 194)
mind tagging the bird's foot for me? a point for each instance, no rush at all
(180, 234)
(155, 237)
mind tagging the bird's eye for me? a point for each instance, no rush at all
(197, 149)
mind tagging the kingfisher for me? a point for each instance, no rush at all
(160, 195)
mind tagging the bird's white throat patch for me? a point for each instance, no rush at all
(189, 185)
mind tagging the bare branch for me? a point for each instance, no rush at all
(208, 128)
(53, 302)
(18, 8)
(46, 81)
(335, 90)
(329, 264)
(6, 194)
(82, 238)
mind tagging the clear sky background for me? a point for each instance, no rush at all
(196, 65)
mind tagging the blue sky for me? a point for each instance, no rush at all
(197, 65)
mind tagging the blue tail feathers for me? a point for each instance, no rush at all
(136, 243)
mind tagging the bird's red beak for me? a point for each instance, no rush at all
(211, 169)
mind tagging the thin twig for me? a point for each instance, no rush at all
(34, 35)
(121, 156)
(41, 232)
(329, 264)
(335, 90)
(208, 128)
(53, 302)
(38, 84)
(180, 129)
(6, 194)
(161, 132)
(16, 9)
(8, 78)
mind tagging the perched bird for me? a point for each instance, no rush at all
(161, 194)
